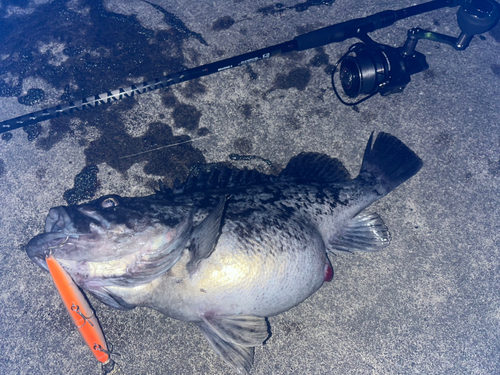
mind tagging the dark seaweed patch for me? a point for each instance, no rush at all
(7, 136)
(33, 131)
(168, 99)
(203, 132)
(243, 145)
(32, 97)
(165, 154)
(321, 58)
(59, 127)
(186, 116)
(297, 78)
(2, 167)
(192, 88)
(246, 110)
(85, 185)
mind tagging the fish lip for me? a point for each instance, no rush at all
(61, 224)
(39, 247)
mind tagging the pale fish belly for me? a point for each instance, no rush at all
(261, 275)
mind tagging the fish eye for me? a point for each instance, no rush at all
(109, 202)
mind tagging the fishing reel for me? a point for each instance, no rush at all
(368, 68)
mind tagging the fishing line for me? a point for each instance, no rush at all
(166, 146)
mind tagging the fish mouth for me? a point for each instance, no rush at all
(41, 246)
(61, 225)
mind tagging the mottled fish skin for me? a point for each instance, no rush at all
(228, 247)
(268, 258)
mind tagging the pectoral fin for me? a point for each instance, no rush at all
(234, 336)
(366, 232)
(206, 234)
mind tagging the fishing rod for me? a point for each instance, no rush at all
(367, 68)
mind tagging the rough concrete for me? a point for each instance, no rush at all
(428, 304)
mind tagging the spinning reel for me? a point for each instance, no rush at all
(369, 68)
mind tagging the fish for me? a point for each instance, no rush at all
(228, 247)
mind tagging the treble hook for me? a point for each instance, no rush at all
(76, 309)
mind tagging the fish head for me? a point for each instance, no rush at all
(109, 229)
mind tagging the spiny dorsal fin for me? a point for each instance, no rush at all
(220, 176)
(314, 167)
(307, 166)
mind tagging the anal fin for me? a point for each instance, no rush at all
(365, 232)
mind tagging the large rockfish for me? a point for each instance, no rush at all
(228, 247)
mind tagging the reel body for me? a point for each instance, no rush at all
(376, 68)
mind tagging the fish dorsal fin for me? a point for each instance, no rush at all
(206, 234)
(314, 167)
(220, 176)
(234, 336)
(307, 166)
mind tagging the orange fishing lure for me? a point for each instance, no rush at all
(79, 310)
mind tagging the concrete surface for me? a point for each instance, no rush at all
(428, 304)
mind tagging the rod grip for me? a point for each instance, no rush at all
(345, 30)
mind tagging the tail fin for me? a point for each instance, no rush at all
(388, 163)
